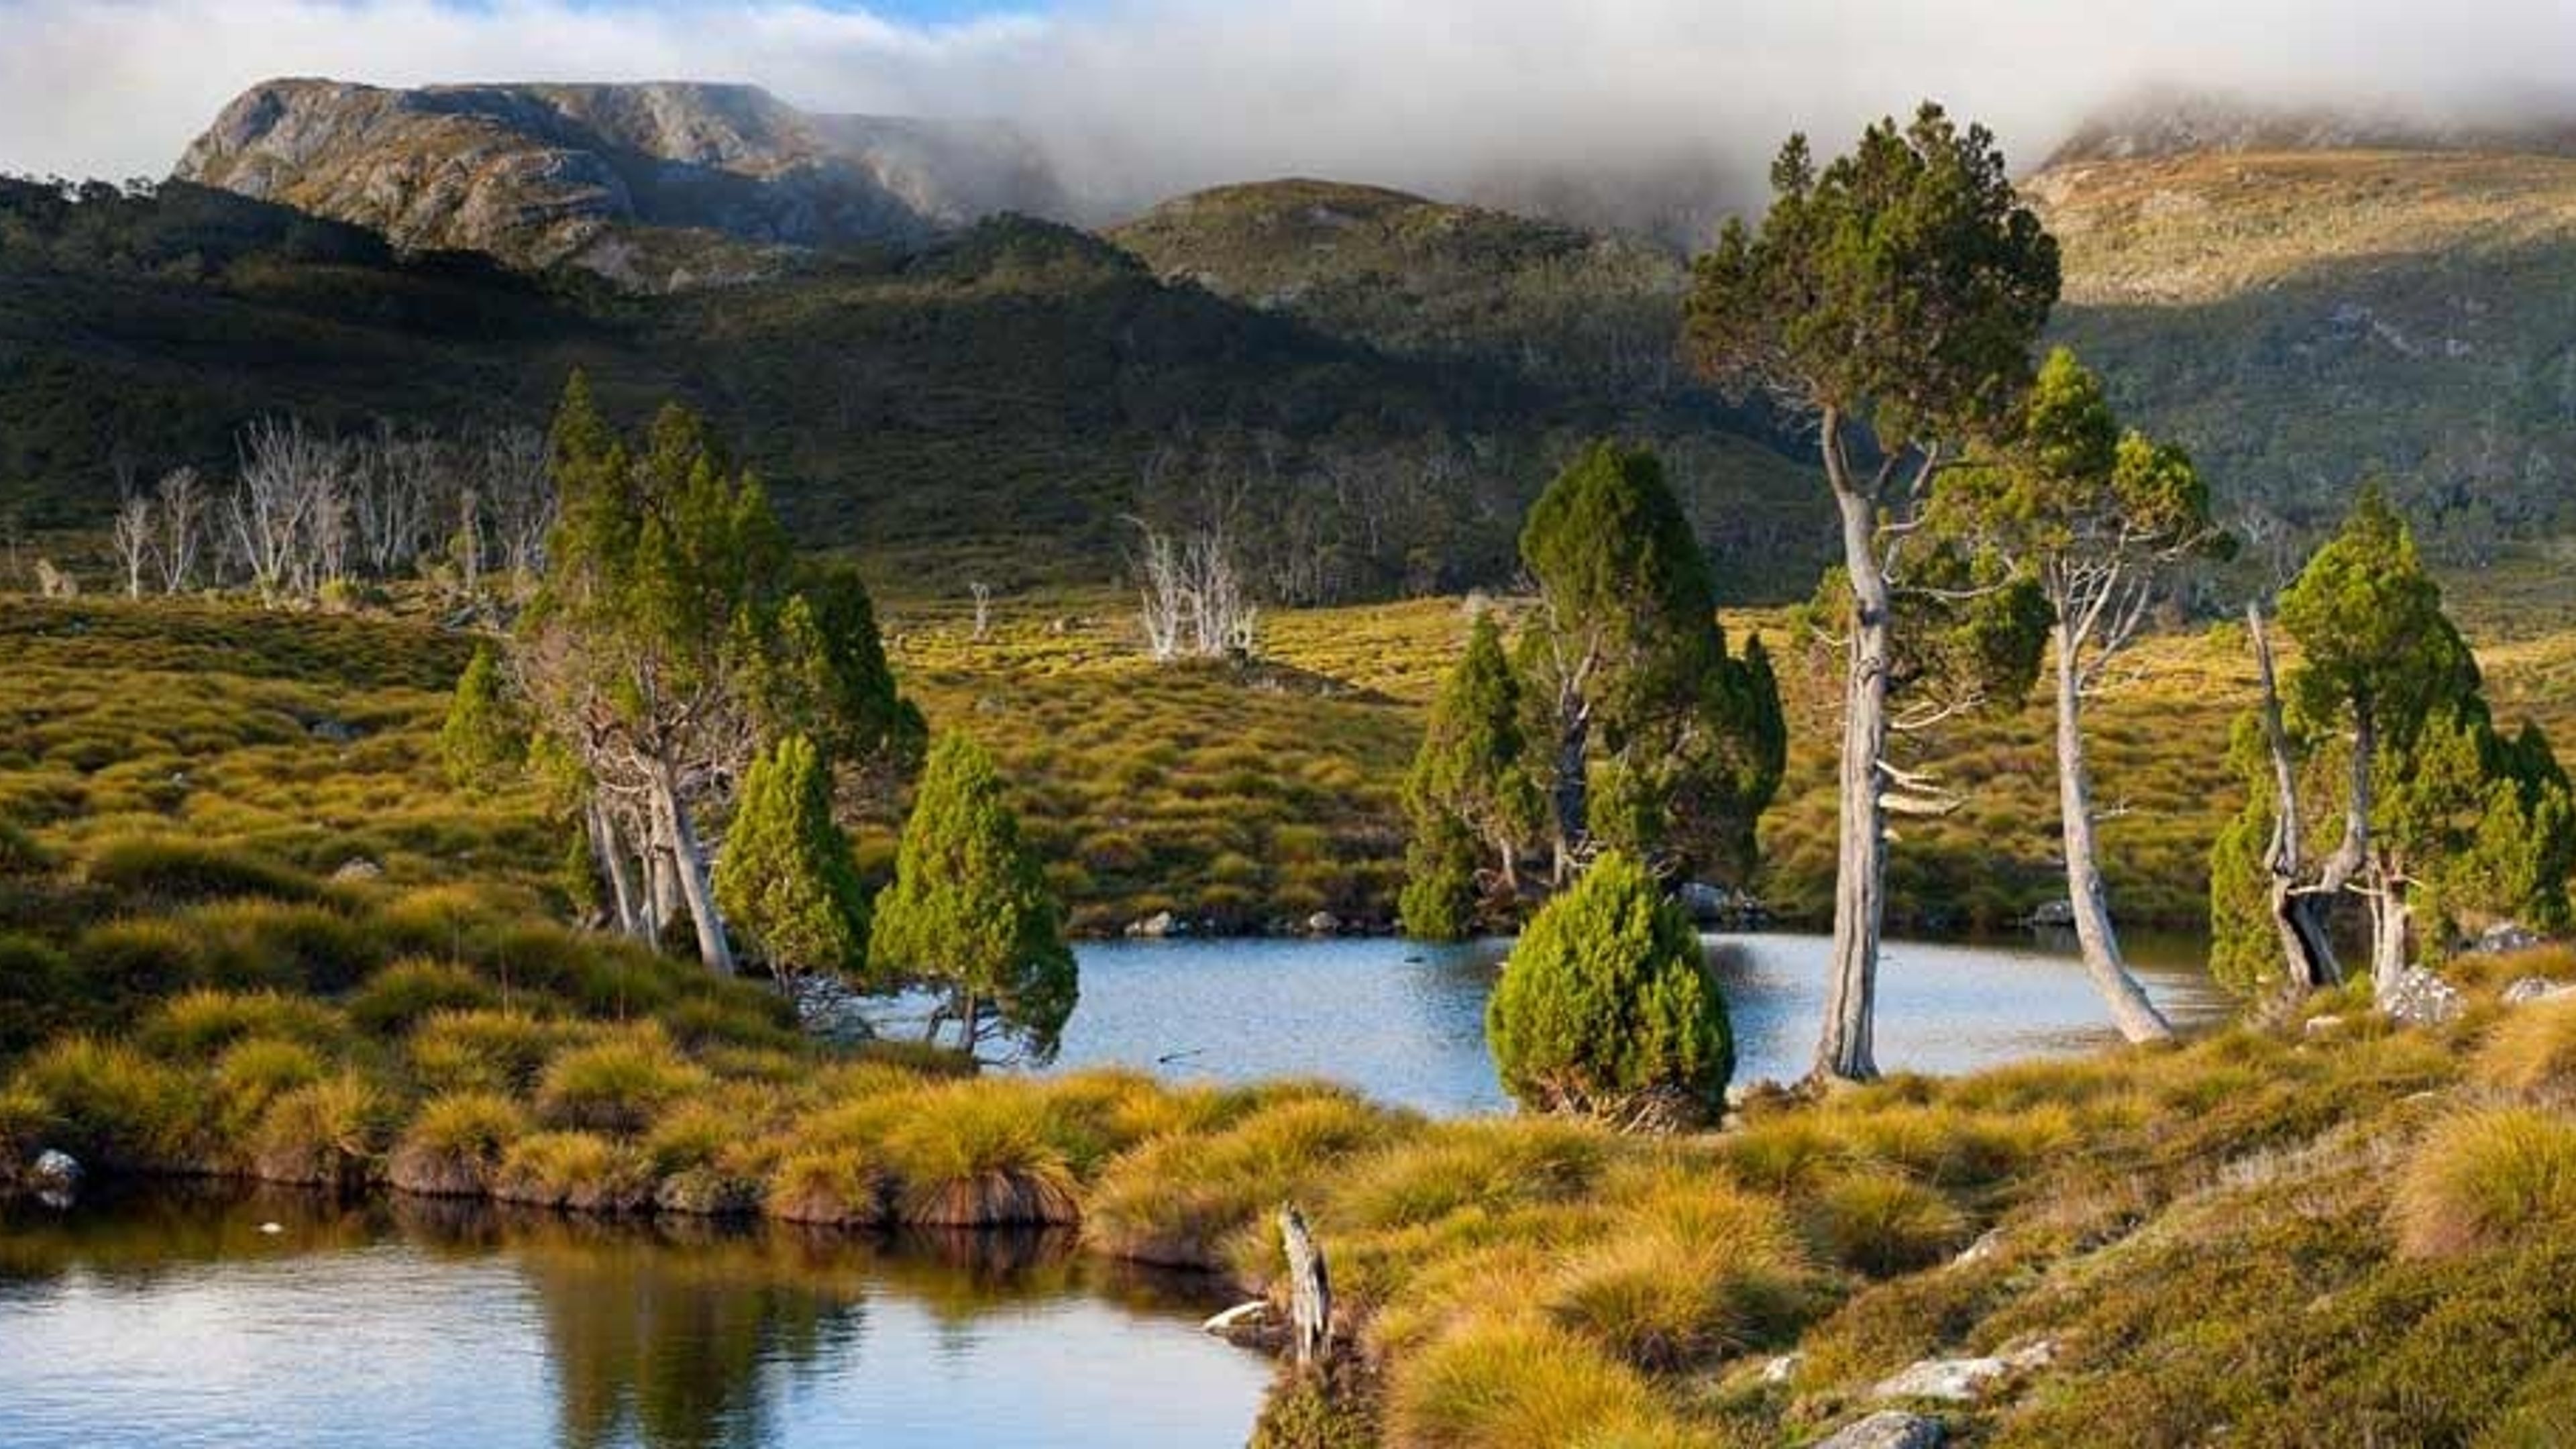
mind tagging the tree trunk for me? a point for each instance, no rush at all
(2391, 914)
(2307, 953)
(2131, 1010)
(1572, 794)
(1860, 872)
(690, 865)
(611, 855)
(1310, 1292)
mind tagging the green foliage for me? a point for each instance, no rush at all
(1901, 286)
(786, 878)
(1606, 1006)
(1627, 674)
(825, 675)
(2375, 648)
(1470, 785)
(485, 738)
(969, 910)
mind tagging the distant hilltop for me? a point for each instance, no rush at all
(2168, 122)
(653, 185)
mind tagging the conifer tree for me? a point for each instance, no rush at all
(786, 878)
(969, 913)
(485, 737)
(1469, 793)
(1606, 1007)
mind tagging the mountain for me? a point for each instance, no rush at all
(2305, 318)
(654, 186)
(2167, 122)
(1428, 279)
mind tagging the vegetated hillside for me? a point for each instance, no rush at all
(1427, 278)
(993, 397)
(2304, 320)
(657, 186)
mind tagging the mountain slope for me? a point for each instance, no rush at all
(657, 185)
(2307, 319)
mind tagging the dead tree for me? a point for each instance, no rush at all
(1310, 1294)
(181, 498)
(983, 593)
(133, 537)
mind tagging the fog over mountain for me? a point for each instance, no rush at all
(1644, 112)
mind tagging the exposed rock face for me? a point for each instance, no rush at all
(2420, 998)
(1887, 1429)
(657, 185)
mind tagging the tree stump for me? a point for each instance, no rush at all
(1310, 1292)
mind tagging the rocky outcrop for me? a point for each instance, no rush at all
(1887, 1429)
(655, 186)
(2420, 998)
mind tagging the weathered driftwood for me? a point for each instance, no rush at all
(1310, 1292)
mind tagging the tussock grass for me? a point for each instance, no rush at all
(2532, 1051)
(2484, 1179)
(1176, 1200)
(400, 995)
(974, 1154)
(110, 1105)
(1520, 1382)
(500, 1051)
(1880, 1223)
(1698, 1272)
(835, 1186)
(455, 1146)
(331, 1133)
(199, 1024)
(580, 1171)
(616, 1085)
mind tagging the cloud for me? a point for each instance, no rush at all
(1139, 98)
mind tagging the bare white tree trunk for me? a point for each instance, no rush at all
(983, 593)
(1860, 875)
(182, 502)
(133, 534)
(2131, 1010)
(2307, 953)
(690, 864)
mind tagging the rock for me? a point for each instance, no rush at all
(2053, 916)
(55, 1178)
(1155, 926)
(1782, 1369)
(2535, 988)
(270, 1230)
(2420, 998)
(2505, 936)
(1988, 1243)
(1323, 923)
(358, 867)
(1888, 1429)
(2323, 1026)
(1964, 1380)
(332, 731)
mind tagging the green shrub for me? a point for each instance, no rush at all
(2483, 1180)
(1606, 1006)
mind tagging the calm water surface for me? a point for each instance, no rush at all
(1405, 1022)
(170, 1320)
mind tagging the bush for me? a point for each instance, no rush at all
(616, 1086)
(454, 1148)
(2483, 1179)
(403, 993)
(1606, 1006)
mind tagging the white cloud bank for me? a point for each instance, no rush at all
(1137, 98)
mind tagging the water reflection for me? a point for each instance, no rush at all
(170, 1318)
(1404, 1021)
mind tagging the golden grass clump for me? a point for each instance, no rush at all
(254, 1072)
(499, 1051)
(2532, 1051)
(1488, 1164)
(580, 1171)
(455, 1146)
(2485, 1179)
(1880, 1223)
(1696, 1272)
(832, 1186)
(971, 1155)
(618, 1084)
(198, 1024)
(1512, 1380)
(328, 1133)
(1175, 1200)
(400, 995)
(111, 1106)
